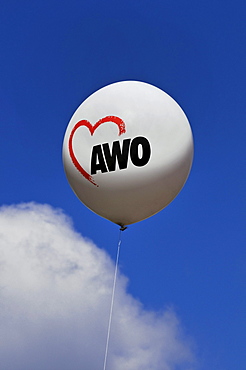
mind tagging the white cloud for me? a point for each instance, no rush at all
(55, 291)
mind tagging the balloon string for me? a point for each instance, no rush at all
(112, 299)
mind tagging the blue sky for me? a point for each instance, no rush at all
(190, 256)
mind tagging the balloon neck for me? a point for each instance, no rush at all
(122, 227)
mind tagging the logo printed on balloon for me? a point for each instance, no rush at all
(122, 129)
(122, 155)
(102, 152)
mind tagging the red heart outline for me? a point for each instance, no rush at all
(122, 129)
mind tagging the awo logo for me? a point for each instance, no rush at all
(104, 157)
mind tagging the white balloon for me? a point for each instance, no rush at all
(127, 151)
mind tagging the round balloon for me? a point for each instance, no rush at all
(127, 151)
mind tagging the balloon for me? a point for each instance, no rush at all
(127, 151)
